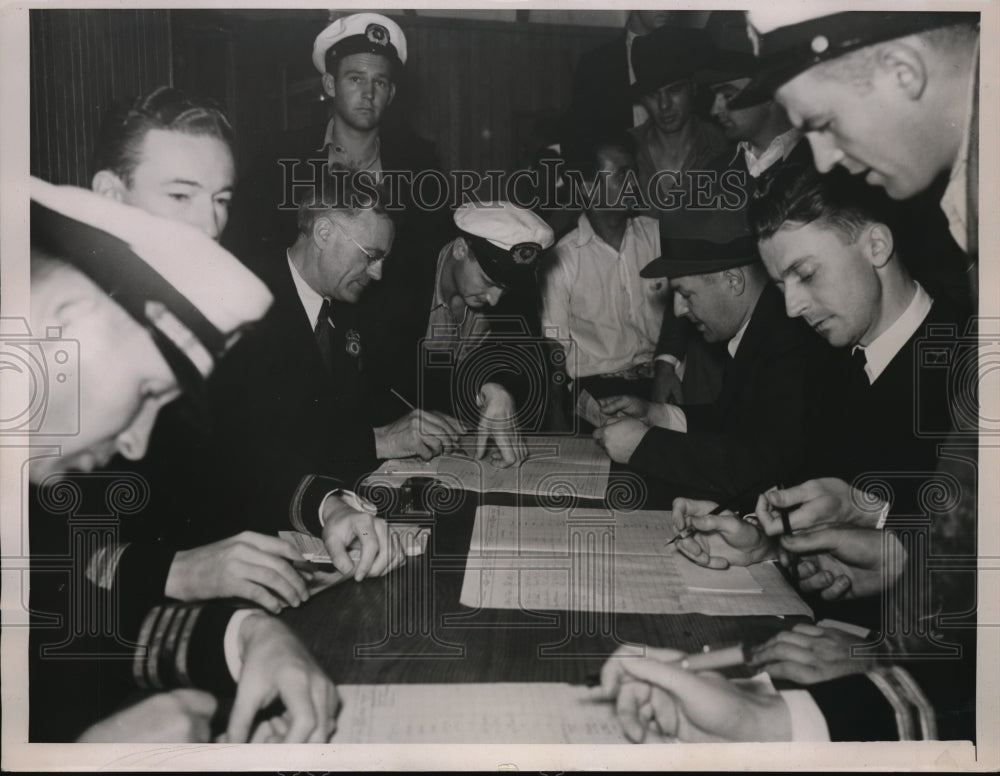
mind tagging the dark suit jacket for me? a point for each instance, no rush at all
(752, 436)
(889, 430)
(283, 424)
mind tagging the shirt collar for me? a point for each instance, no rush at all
(734, 344)
(338, 154)
(954, 203)
(586, 234)
(883, 349)
(311, 301)
(779, 148)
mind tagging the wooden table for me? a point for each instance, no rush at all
(410, 627)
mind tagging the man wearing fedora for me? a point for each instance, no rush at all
(674, 138)
(602, 100)
(753, 433)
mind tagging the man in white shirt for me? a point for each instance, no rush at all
(593, 298)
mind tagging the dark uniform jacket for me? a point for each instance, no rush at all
(101, 629)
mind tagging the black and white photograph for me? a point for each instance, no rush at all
(500, 387)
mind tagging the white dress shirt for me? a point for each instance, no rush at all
(595, 302)
(883, 349)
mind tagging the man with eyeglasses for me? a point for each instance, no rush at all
(299, 377)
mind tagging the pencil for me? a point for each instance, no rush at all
(399, 396)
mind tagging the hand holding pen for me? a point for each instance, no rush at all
(676, 696)
(717, 538)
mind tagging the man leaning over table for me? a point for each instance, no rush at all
(448, 349)
(753, 433)
(828, 253)
(139, 297)
(893, 95)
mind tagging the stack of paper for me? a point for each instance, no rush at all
(606, 561)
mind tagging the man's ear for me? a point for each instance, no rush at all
(330, 85)
(878, 245)
(905, 66)
(460, 249)
(322, 231)
(735, 279)
(107, 184)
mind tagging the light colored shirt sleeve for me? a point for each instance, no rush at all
(231, 642)
(556, 296)
(668, 416)
(808, 722)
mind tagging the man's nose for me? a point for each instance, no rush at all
(680, 306)
(825, 151)
(795, 301)
(209, 220)
(665, 100)
(375, 269)
(493, 296)
(718, 106)
(134, 440)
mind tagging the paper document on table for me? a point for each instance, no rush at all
(606, 561)
(555, 465)
(501, 713)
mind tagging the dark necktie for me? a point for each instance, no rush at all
(859, 360)
(324, 335)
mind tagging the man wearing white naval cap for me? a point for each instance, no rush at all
(436, 321)
(893, 95)
(151, 305)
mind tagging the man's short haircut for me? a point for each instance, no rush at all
(347, 192)
(333, 60)
(582, 151)
(800, 195)
(858, 67)
(166, 108)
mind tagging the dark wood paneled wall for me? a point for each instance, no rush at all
(479, 83)
(81, 61)
(472, 87)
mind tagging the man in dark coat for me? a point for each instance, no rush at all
(753, 433)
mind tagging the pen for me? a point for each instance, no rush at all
(786, 529)
(688, 531)
(706, 660)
